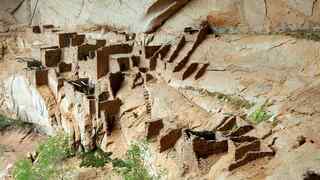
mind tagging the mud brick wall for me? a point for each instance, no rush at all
(119, 49)
(202, 71)
(64, 67)
(36, 29)
(249, 157)
(135, 61)
(227, 124)
(52, 57)
(169, 139)
(204, 148)
(245, 148)
(112, 107)
(92, 105)
(78, 40)
(153, 128)
(242, 130)
(200, 37)
(65, 39)
(102, 63)
(41, 77)
(124, 63)
(190, 70)
(116, 80)
(178, 48)
(150, 50)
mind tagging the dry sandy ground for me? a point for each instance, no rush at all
(16, 144)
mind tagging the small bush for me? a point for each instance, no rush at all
(259, 115)
(132, 167)
(23, 170)
(6, 122)
(49, 161)
(97, 158)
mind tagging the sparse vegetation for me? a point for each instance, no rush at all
(132, 168)
(6, 122)
(304, 34)
(96, 158)
(49, 161)
(52, 153)
(236, 101)
(3, 148)
(259, 115)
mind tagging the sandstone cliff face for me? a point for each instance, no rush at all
(230, 15)
(110, 88)
(14, 12)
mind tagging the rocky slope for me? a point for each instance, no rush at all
(109, 88)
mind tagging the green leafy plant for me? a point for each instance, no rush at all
(132, 167)
(96, 158)
(23, 170)
(259, 115)
(49, 160)
(6, 122)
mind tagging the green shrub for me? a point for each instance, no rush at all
(96, 158)
(132, 167)
(6, 122)
(259, 115)
(23, 170)
(49, 160)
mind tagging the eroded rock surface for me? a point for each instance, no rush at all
(108, 87)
